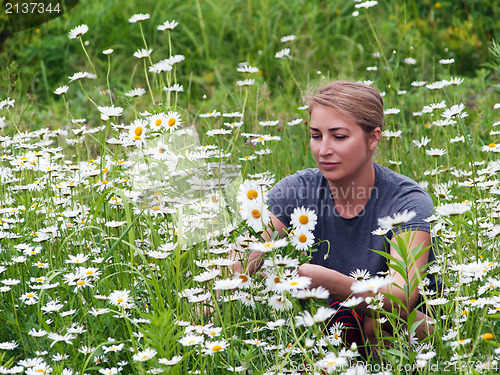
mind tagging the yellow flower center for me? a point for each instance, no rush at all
(30, 295)
(80, 283)
(303, 219)
(491, 145)
(302, 238)
(156, 208)
(244, 278)
(171, 121)
(252, 194)
(158, 122)
(256, 214)
(217, 348)
(294, 283)
(120, 300)
(138, 131)
(487, 336)
(104, 182)
(162, 150)
(137, 138)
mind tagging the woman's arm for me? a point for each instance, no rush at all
(254, 261)
(339, 285)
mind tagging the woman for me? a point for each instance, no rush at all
(349, 193)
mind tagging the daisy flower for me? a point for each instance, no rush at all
(455, 111)
(279, 302)
(446, 61)
(294, 122)
(395, 221)
(173, 120)
(157, 121)
(61, 90)
(139, 17)
(135, 92)
(257, 215)
(269, 123)
(137, 130)
(191, 340)
(247, 69)
(410, 61)
(250, 192)
(366, 4)
(371, 285)
(108, 51)
(78, 75)
(170, 362)
(174, 88)
(302, 238)
(304, 218)
(287, 38)
(78, 31)
(212, 347)
(452, 209)
(246, 82)
(142, 53)
(145, 355)
(283, 54)
(168, 25)
(435, 152)
(214, 113)
(268, 246)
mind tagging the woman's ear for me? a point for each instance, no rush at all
(375, 138)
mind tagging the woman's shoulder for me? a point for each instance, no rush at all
(386, 176)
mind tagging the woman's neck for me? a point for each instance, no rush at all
(350, 196)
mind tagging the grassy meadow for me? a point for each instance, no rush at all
(137, 143)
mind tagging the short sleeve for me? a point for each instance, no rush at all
(282, 200)
(418, 201)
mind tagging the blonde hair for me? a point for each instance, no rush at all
(360, 102)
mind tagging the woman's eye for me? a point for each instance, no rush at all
(315, 136)
(340, 136)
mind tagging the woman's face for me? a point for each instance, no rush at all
(341, 148)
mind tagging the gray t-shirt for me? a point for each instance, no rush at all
(350, 240)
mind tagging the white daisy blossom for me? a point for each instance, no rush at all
(78, 31)
(283, 54)
(436, 152)
(268, 245)
(246, 82)
(304, 218)
(392, 111)
(139, 17)
(142, 53)
(144, 355)
(247, 69)
(111, 111)
(287, 38)
(395, 221)
(170, 362)
(366, 4)
(168, 25)
(302, 238)
(61, 90)
(78, 75)
(371, 285)
(391, 134)
(455, 111)
(321, 315)
(108, 51)
(452, 209)
(136, 92)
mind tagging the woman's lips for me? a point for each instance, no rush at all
(329, 165)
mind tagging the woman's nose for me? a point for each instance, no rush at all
(325, 148)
